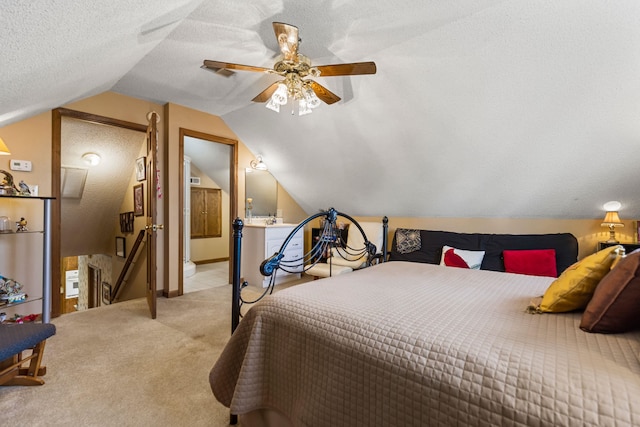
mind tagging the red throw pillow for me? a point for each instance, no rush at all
(534, 262)
(452, 259)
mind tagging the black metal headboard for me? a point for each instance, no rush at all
(329, 237)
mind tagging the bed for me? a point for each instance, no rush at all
(410, 344)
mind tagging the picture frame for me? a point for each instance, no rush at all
(121, 250)
(141, 168)
(138, 200)
(126, 222)
(106, 293)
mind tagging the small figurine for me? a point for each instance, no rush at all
(22, 225)
(24, 189)
(7, 186)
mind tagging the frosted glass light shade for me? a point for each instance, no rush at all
(280, 95)
(303, 108)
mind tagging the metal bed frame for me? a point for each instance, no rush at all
(329, 238)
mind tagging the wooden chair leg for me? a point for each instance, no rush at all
(26, 376)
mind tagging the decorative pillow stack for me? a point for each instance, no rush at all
(615, 305)
(576, 285)
(452, 257)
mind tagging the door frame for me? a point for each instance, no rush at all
(56, 204)
(94, 285)
(233, 196)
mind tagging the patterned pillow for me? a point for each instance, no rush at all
(408, 240)
(452, 257)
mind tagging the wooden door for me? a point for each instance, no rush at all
(206, 212)
(69, 265)
(152, 197)
(198, 208)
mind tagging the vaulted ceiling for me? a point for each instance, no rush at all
(478, 109)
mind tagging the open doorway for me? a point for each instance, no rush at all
(70, 240)
(208, 195)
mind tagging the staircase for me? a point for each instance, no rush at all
(126, 270)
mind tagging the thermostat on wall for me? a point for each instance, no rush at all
(20, 165)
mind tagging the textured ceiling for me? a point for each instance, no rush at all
(478, 109)
(105, 186)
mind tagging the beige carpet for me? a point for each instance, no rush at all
(114, 366)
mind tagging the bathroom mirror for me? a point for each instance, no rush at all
(262, 188)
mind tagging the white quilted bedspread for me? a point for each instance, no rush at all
(408, 344)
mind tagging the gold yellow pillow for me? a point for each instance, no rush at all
(575, 286)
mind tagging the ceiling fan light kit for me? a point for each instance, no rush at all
(295, 67)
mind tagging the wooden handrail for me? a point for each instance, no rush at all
(127, 264)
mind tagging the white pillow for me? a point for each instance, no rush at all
(453, 257)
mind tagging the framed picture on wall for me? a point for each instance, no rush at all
(138, 200)
(141, 168)
(106, 293)
(126, 222)
(121, 250)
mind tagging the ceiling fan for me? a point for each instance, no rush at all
(295, 68)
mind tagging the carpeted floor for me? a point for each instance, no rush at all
(114, 366)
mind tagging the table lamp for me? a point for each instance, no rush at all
(612, 220)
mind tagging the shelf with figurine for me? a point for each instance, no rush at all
(12, 293)
(20, 228)
(9, 194)
(8, 188)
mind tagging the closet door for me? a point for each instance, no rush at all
(206, 213)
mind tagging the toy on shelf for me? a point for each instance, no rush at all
(21, 225)
(10, 291)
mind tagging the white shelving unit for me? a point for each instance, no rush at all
(19, 240)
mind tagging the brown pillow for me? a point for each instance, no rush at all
(615, 304)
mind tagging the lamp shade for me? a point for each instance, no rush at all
(3, 148)
(611, 219)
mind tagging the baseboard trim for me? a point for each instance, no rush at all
(210, 261)
(171, 294)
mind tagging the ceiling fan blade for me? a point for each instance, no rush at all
(287, 37)
(219, 65)
(220, 71)
(323, 93)
(351, 69)
(266, 94)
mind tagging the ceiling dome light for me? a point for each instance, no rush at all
(92, 159)
(612, 206)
